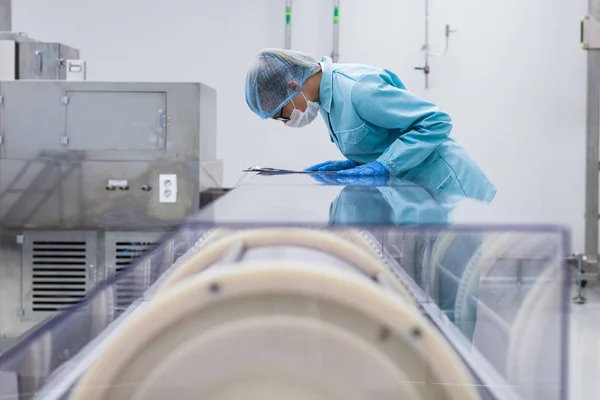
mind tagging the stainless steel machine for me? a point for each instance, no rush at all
(290, 287)
(80, 164)
(91, 173)
(22, 57)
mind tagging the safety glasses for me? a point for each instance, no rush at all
(279, 116)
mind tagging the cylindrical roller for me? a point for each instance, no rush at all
(272, 330)
(353, 236)
(358, 238)
(479, 266)
(535, 358)
(284, 244)
(502, 291)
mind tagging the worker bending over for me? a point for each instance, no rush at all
(376, 123)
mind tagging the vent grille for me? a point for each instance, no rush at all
(59, 274)
(131, 287)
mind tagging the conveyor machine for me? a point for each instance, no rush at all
(288, 289)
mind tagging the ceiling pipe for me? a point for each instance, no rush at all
(288, 24)
(335, 54)
(5, 15)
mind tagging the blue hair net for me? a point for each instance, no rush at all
(267, 89)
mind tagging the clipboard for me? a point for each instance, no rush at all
(277, 171)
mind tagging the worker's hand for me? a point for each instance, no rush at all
(374, 168)
(332, 166)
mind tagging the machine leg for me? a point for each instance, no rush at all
(590, 41)
(581, 284)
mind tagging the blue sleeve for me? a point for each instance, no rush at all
(378, 99)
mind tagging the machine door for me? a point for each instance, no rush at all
(38, 60)
(116, 120)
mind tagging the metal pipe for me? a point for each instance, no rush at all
(5, 15)
(446, 46)
(288, 24)
(426, 47)
(592, 146)
(335, 54)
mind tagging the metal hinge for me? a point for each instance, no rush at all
(20, 312)
(20, 239)
(1, 139)
(590, 33)
(1, 99)
(65, 100)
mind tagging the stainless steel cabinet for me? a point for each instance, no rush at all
(108, 121)
(39, 60)
(32, 59)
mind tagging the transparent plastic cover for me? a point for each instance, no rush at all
(315, 311)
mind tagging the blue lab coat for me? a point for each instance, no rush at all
(371, 116)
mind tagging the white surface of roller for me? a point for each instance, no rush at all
(339, 312)
(328, 243)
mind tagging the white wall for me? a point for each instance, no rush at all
(513, 81)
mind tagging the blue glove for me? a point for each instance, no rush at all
(374, 168)
(333, 166)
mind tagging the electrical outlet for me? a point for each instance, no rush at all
(167, 186)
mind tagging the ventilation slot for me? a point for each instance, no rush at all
(59, 274)
(131, 287)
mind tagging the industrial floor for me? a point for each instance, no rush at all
(584, 357)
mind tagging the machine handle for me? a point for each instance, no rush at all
(161, 124)
(40, 62)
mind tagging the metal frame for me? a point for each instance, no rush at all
(590, 41)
